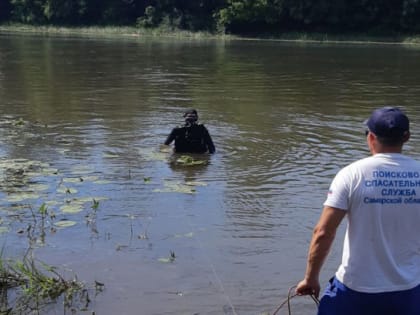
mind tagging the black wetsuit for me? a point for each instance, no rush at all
(193, 138)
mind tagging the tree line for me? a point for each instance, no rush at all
(388, 17)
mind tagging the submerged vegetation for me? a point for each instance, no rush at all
(27, 287)
(191, 161)
(37, 200)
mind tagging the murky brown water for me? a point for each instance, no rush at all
(89, 115)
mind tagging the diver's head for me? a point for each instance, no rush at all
(191, 117)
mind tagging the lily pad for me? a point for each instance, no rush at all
(39, 187)
(52, 203)
(165, 149)
(110, 155)
(4, 229)
(67, 190)
(82, 169)
(72, 208)
(65, 223)
(89, 199)
(49, 171)
(169, 259)
(191, 183)
(151, 155)
(74, 180)
(176, 187)
(190, 161)
(18, 197)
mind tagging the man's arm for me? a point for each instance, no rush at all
(209, 141)
(322, 239)
(170, 137)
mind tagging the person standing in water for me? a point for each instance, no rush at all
(192, 137)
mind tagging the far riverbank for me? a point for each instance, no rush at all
(133, 32)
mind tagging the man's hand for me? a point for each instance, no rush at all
(308, 287)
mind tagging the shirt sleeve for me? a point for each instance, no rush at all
(170, 137)
(208, 140)
(339, 191)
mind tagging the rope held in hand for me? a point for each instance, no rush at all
(289, 297)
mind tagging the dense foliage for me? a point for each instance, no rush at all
(228, 16)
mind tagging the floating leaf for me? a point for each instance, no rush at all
(169, 259)
(52, 203)
(4, 229)
(39, 187)
(190, 161)
(65, 223)
(82, 169)
(177, 190)
(19, 122)
(176, 187)
(67, 190)
(191, 183)
(165, 149)
(151, 155)
(49, 171)
(18, 197)
(110, 155)
(89, 199)
(73, 180)
(72, 208)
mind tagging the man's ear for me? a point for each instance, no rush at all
(406, 136)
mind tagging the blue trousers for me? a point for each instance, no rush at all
(340, 300)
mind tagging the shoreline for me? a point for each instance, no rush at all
(134, 32)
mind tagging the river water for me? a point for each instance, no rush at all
(84, 119)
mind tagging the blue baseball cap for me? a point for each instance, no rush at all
(388, 122)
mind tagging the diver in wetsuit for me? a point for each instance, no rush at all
(191, 137)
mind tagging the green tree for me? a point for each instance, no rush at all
(64, 11)
(28, 11)
(248, 15)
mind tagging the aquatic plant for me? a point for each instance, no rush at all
(190, 161)
(95, 204)
(35, 285)
(19, 122)
(176, 187)
(169, 259)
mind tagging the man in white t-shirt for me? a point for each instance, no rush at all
(380, 196)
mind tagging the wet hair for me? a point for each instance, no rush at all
(190, 112)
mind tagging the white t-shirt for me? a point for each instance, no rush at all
(381, 195)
